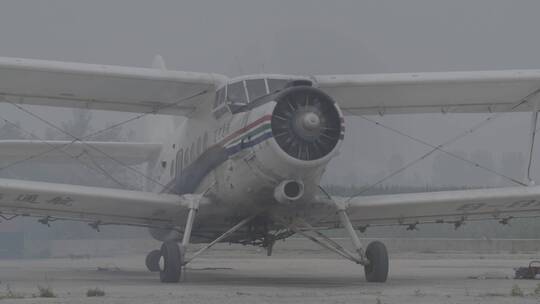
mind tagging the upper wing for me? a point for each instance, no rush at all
(464, 92)
(92, 204)
(444, 206)
(129, 153)
(101, 87)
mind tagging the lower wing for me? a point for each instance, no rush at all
(440, 207)
(129, 153)
(93, 204)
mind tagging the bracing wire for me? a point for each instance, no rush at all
(36, 156)
(440, 147)
(475, 164)
(76, 139)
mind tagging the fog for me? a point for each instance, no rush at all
(303, 37)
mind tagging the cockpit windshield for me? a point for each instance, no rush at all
(276, 84)
(245, 91)
(256, 88)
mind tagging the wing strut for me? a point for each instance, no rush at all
(534, 120)
(319, 238)
(346, 222)
(221, 237)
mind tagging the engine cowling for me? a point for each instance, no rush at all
(306, 123)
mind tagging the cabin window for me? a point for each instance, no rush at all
(192, 152)
(179, 162)
(205, 141)
(276, 84)
(236, 93)
(186, 158)
(256, 88)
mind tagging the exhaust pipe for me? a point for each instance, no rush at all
(289, 191)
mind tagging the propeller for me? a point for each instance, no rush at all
(306, 123)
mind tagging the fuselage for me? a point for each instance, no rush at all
(264, 143)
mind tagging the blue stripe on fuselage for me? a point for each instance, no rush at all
(212, 158)
(248, 144)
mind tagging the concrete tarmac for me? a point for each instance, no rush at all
(284, 278)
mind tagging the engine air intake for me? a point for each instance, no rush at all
(306, 123)
(289, 191)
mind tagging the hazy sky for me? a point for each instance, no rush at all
(320, 36)
(301, 37)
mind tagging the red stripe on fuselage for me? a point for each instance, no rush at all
(246, 128)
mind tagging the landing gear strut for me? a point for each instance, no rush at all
(171, 258)
(374, 258)
(172, 254)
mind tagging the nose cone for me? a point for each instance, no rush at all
(307, 124)
(311, 121)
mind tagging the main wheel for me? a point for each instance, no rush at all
(377, 269)
(152, 260)
(172, 261)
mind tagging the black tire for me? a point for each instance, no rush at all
(173, 259)
(152, 260)
(377, 269)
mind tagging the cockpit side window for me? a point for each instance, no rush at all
(236, 93)
(220, 97)
(256, 88)
(220, 107)
(277, 84)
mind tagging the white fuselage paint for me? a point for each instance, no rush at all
(244, 182)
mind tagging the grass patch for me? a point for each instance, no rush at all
(95, 292)
(516, 291)
(495, 294)
(9, 294)
(46, 292)
(537, 290)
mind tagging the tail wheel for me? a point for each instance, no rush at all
(171, 262)
(152, 260)
(377, 269)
